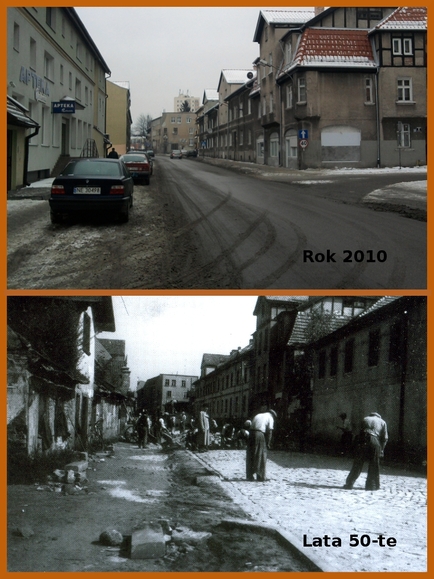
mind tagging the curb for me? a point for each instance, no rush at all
(283, 537)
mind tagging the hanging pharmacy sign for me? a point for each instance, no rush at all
(63, 107)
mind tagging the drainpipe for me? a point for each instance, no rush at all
(377, 106)
(26, 155)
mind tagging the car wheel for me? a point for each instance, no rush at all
(55, 218)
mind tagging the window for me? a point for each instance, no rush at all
(334, 361)
(374, 348)
(169, 394)
(288, 49)
(190, 131)
(321, 364)
(405, 90)
(166, 382)
(249, 137)
(50, 17)
(185, 394)
(33, 54)
(173, 120)
(249, 107)
(402, 46)
(274, 145)
(301, 90)
(271, 103)
(77, 89)
(188, 119)
(270, 63)
(175, 131)
(264, 106)
(48, 66)
(241, 138)
(369, 91)
(61, 73)
(79, 51)
(179, 120)
(174, 383)
(404, 138)
(289, 96)
(349, 356)
(183, 384)
(16, 37)
(70, 81)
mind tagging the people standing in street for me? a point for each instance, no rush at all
(370, 447)
(203, 441)
(142, 429)
(182, 422)
(258, 442)
(346, 436)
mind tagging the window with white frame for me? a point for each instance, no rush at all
(264, 106)
(396, 46)
(402, 46)
(173, 120)
(249, 107)
(369, 90)
(301, 97)
(179, 120)
(408, 46)
(288, 52)
(405, 89)
(241, 110)
(404, 135)
(188, 119)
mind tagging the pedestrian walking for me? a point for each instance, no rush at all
(346, 436)
(258, 442)
(203, 441)
(172, 422)
(142, 429)
(369, 448)
(113, 154)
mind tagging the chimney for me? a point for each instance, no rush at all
(318, 10)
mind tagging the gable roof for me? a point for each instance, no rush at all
(281, 19)
(405, 18)
(213, 360)
(334, 47)
(210, 94)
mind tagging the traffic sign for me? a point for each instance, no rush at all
(304, 143)
(303, 134)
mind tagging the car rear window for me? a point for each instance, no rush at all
(134, 158)
(93, 169)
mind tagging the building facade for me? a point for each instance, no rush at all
(183, 100)
(57, 73)
(119, 118)
(165, 393)
(376, 362)
(174, 131)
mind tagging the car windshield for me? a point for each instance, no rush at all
(92, 169)
(176, 152)
(134, 158)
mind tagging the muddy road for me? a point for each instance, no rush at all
(125, 491)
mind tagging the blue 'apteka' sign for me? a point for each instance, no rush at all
(63, 107)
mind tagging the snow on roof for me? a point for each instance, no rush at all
(236, 76)
(210, 94)
(287, 16)
(405, 18)
(334, 47)
(122, 83)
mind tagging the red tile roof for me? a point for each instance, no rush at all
(406, 17)
(334, 47)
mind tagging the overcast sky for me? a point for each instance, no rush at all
(161, 51)
(169, 334)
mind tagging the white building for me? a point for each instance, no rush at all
(57, 73)
(193, 102)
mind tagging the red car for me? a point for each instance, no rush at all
(139, 166)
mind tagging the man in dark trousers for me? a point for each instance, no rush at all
(259, 441)
(370, 447)
(142, 429)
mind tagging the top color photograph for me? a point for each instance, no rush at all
(216, 148)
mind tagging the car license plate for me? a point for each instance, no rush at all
(87, 190)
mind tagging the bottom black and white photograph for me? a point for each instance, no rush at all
(217, 433)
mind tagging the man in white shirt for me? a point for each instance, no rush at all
(259, 441)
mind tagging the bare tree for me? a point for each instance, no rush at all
(142, 126)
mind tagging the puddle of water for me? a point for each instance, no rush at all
(150, 458)
(120, 493)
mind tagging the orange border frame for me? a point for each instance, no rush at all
(3, 262)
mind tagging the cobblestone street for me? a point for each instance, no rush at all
(304, 496)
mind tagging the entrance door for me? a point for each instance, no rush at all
(65, 138)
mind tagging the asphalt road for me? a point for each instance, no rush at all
(199, 226)
(294, 235)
